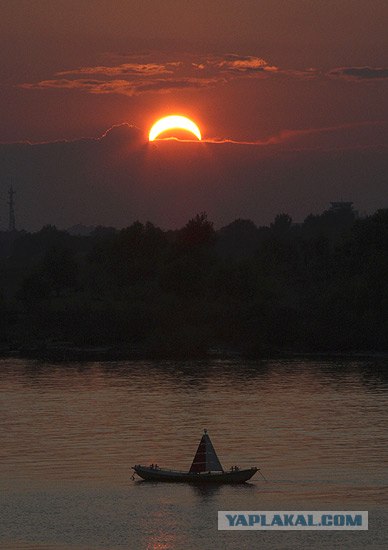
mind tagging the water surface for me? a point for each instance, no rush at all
(70, 432)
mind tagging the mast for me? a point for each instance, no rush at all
(11, 203)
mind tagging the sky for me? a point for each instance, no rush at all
(290, 97)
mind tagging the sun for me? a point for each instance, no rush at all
(172, 122)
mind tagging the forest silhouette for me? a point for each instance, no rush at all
(315, 287)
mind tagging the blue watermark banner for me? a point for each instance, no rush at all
(294, 520)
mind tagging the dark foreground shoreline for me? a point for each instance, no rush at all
(62, 353)
(317, 288)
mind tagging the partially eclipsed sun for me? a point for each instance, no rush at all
(172, 122)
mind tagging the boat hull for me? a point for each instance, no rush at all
(152, 474)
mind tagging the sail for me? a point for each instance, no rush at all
(206, 459)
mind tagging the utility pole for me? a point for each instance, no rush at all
(11, 202)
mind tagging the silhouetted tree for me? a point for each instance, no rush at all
(281, 225)
(198, 232)
(316, 286)
(59, 269)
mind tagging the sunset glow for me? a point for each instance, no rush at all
(174, 122)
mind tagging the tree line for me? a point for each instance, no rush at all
(318, 286)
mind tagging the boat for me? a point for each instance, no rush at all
(206, 468)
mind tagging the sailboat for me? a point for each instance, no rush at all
(206, 468)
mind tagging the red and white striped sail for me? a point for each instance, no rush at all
(206, 459)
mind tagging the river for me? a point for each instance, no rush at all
(70, 432)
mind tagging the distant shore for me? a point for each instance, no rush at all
(64, 353)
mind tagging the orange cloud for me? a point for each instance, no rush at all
(243, 64)
(143, 69)
(143, 76)
(153, 72)
(123, 87)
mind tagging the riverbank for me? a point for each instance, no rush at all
(62, 352)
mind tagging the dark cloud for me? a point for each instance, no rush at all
(120, 177)
(342, 136)
(360, 73)
(123, 133)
